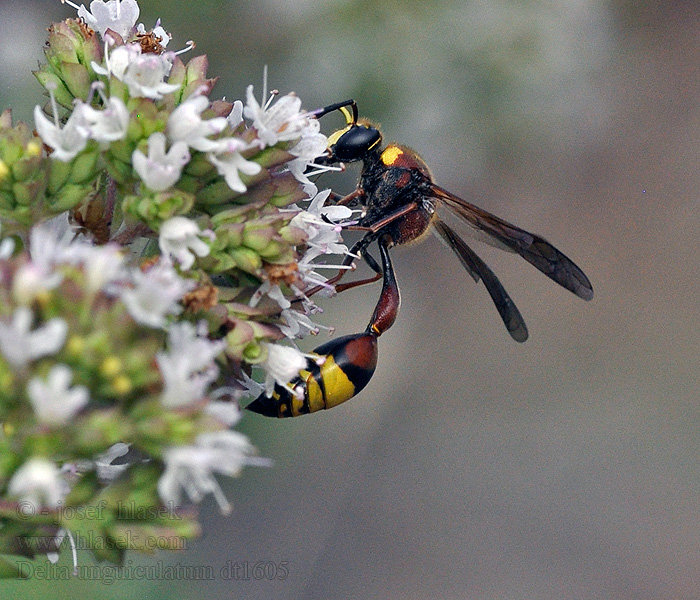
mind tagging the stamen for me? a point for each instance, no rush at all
(273, 93)
(69, 3)
(324, 266)
(190, 45)
(320, 169)
(224, 504)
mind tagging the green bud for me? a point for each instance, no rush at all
(287, 190)
(60, 92)
(77, 79)
(84, 166)
(230, 235)
(218, 262)
(231, 215)
(147, 118)
(258, 238)
(215, 194)
(294, 236)
(192, 77)
(59, 172)
(272, 156)
(154, 208)
(70, 49)
(27, 168)
(61, 46)
(199, 166)
(247, 260)
(69, 196)
(24, 193)
(122, 171)
(278, 253)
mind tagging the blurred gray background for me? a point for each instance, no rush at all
(473, 467)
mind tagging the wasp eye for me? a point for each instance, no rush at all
(356, 142)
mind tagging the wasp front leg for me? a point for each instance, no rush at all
(344, 366)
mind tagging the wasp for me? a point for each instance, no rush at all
(400, 204)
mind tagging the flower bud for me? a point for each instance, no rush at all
(247, 260)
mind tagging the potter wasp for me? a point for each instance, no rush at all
(400, 203)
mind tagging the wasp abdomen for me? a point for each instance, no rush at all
(349, 364)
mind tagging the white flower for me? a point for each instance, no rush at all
(282, 364)
(298, 325)
(250, 386)
(188, 367)
(231, 163)
(273, 291)
(185, 124)
(323, 237)
(117, 61)
(146, 73)
(49, 244)
(66, 141)
(180, 237)
(118, 15)
(31, 281)
(228, 413)
(107, 125)
(160, 170)
(155, 294)
(39, 483)
(54, 402)
(19, 345)
(106, 471)
(101, 264)
(308, 149)
(278, 122)
(192, 468)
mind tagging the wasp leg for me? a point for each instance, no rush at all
(357, 249)
(369, 259)
(352, 197)
(390, 218)
(372, 234)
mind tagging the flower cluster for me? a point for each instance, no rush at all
(154, 257)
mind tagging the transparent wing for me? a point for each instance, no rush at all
(534, 249)
(479, 270)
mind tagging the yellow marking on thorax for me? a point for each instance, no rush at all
(390, 155)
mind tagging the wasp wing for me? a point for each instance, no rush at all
(534, 249)
(478, 269)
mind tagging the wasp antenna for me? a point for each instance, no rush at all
(350, 115)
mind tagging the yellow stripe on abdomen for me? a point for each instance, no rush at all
(338, 388)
